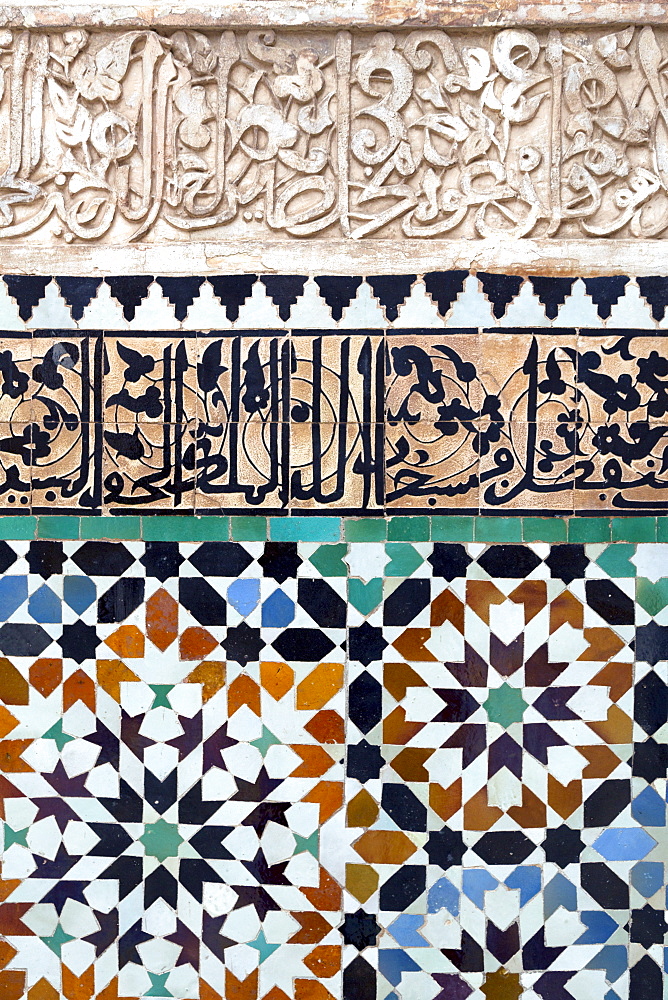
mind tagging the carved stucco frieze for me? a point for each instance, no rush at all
(168, 136)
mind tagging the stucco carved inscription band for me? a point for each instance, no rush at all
(154, 136)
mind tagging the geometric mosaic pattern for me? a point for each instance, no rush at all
(359, 770)
(288, 394)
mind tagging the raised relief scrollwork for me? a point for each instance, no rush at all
(152, 136)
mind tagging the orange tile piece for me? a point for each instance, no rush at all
(196, 643)
(243, 691)
(399, 676)
(329, 796)
(11, 920)
(602, 761)
(7, 721)
(12, 984)
(603, 644)
(409, 763)
(478, 814)
(617, 676)
(79, 687)
(327, 895)
(241, 989)
(396, 730)
(14, 688)
(315, 761)
(617, 728)
(274, 994)
(311, 989)
(362, 810)
(110, 992)
(6, 953)
(128, 642)
(502, 985)
(566, 610)
(78, 987)
(162, 619)
(46, 674)
(313, 928)
(7, 886)
(326, 727)
(207, 992)
(43, 990)
(446, 801)
(447, 607)
(211, 675)
(110, 673)
(480, 594)
(318, 687)
(276, 678)
(531, 813)
(324, 961)
(533, 595)
(361, 881)
(411, 645)
(10, 755)
(564, 799)
(385, 847)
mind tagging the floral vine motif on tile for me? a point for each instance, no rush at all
(139, 134)
(289, 770)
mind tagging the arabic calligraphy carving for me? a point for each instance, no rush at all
(142, 135)
(354, 422)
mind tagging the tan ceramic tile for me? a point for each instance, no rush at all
(337, 465)
(431, 467)
(243, 377)
(432, 376)
(243, 466)
(336, 379)
(150, 379)
(63, 465)
(15, 466)
(623, 379)
(16, 384)
(529, 375)
(148, 467)
(622, 466)
(529, 466)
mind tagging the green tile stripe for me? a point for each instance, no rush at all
(324, 528)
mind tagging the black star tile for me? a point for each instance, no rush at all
(445, 848)
(563, 846)
(79, 641)
(449, 560)
(567, 562)
(243, 644)
(648, 926)
(366, 643)
(364, 761)
(162, 560)
(360, 929)
(280, 560)
(44, 558)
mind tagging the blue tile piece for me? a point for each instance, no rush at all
(474, 884)
(13, 592)
(392, 963)
(624, 844)
(443, 896)
(649, 808)
(600, 926)
(44, 606)
(79, 592)
(244, 596)
(614, 959)
(278, 610)
(647, 877)
(405, 928)
(559, 892)
(527, 879)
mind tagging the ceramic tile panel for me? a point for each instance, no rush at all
(333, 758)
(483, 392)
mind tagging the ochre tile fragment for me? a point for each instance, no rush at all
(396, 730)
(320, 685)
(243, 691)
(211, 675)
(478, 814)
(313, 928)
(110, 673)
(7, 721)
(14, 688)
(79, 687)
(361, 881)
(324, 961)
(397, 677)
(411, 644)
(480, 594)
(162, 619)
(326, 727)
(195, 643)
(327, 895)
(446, 801)
(362, 810)
(276, 678)
(46, 674)
(329, 796)
(385, 847)
(43, 990)
(78, 987)
(409, 763)
(603, 644)
(128, 642)
(564, 799)
(315, 761)
(566, 610)
(447, 607)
